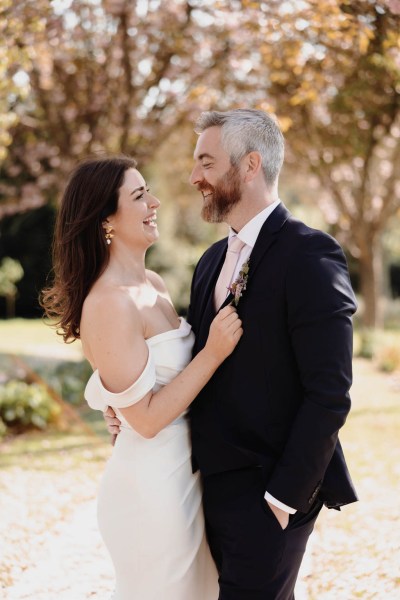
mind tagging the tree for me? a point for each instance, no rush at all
(333, 78)
(26, 237)
(14, 60)
(116, 75)
(11, 272)
(105, 76)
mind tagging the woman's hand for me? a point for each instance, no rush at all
(225, 332)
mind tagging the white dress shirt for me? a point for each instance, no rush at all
(248, 235)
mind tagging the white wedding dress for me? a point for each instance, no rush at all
(149, 506)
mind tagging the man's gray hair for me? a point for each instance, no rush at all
(248, 130)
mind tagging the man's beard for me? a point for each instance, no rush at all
(226, 193)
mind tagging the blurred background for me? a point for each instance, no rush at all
(80, 77)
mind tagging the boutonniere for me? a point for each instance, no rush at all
(238, 286)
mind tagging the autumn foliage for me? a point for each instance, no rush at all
(86, 76)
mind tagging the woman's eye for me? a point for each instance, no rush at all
(142, 194)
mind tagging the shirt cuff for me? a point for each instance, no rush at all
(278, 504)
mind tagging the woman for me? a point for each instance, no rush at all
(149, 505)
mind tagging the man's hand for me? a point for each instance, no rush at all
(112, 422)
(281, 515)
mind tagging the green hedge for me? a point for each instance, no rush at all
(68, 379)
(25, 406)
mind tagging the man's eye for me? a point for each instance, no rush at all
(206, 165)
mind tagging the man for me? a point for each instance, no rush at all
(265, 428)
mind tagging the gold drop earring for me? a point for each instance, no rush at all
(109, 232)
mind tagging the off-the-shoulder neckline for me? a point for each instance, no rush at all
(180, 331)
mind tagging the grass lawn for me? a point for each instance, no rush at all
(35, 337)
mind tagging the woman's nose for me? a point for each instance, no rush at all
(154, 202)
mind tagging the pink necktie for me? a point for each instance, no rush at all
(228, 268)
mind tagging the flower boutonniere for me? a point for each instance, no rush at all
(238, 286)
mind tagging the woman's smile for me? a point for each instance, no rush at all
(151, 221)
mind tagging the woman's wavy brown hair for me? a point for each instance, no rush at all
(80, 252)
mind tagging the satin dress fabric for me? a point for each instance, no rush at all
(150, 503)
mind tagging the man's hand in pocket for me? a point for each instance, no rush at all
(112, 422)
(281, 515)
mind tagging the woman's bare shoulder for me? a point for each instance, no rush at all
(112, 336)
(109, 306)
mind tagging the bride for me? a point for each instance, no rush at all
(149, 504)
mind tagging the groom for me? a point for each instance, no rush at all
(265, 428)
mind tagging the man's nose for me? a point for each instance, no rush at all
(195, 175)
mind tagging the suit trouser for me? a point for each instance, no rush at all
(255, 557)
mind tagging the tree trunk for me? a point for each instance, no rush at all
(371, 280)
(10, 306)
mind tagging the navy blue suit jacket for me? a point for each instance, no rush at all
(281, 397)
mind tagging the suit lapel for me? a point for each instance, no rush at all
(213, 272)
(207, 309)
(267, 236)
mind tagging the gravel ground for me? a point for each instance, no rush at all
(50, 548)
(66, 561)
(70, 564)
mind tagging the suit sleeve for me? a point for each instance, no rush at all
(320, 304)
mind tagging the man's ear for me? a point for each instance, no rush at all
(252, 165)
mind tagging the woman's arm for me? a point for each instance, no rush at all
(112, 331)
